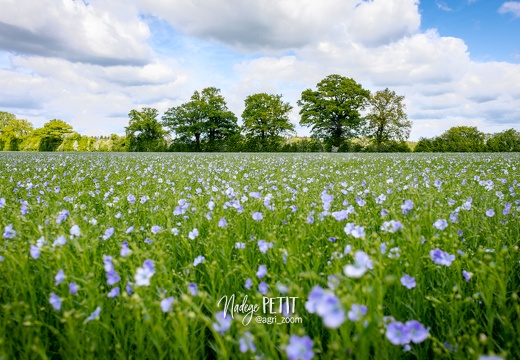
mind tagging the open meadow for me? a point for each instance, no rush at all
(268, 256)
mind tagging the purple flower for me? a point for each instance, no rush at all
(327, 306)
(340, 215)
(357, 312)
(416, 331)
(131, 199)
(264, 246)
(246, 343)
(61, 240)
(398, 333)
(408, 281)
(128, 288)
(223, 322)
(454, 217)
(62, 216)
(2, 203)
(361, 264)
(262, 271)
(55, 301)
(193, 289)
(73, 288)
(248, 284)
(354, 230)
(9, 233)
(198, 260)
(94, 315)
(166, 304)
(391, 226)
(240, 245)
(112, 277)
(35, 252)
(156, 229)
(107, 261)
(144, 274)
(300, 348)
(193, 234)
(130, 230)
(222, 222)
(407, 206)
(440, 257)
(125, 250)
(60, 276)
(467, 275)
(114, 292)
(257, 216)
(75, 231)
(440, 224)
(332, 282)
(490, 213)
(262, 287)
(108, 233)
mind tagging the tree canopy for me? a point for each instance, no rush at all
(52, 134)
(266, 117)
(205, 117)
(333, 110)
(387, 119)
(144, 132)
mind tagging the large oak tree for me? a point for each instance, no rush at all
(333, 109)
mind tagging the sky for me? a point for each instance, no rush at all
(89, 62)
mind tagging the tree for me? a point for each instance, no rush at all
(144, 132)
(333, 110)
(266, 117)
(219, 121)
(387, 118)
(206, 115)
(505, 141)
(52, 134)
(13, 131)
(463, 139)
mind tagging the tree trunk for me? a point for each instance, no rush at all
(197, 141)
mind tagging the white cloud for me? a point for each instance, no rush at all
(106, 33)
(288, 24)
(90, 65)
(510, 7)
(381, 22)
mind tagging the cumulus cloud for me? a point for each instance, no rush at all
(91, 64)
(512, 7)
(288, 24)
(104, 33)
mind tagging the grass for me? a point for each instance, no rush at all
(466, 319)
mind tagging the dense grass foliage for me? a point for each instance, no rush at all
(154, 241)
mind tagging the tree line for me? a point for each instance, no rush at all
(341, 114)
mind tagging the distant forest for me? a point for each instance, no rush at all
(341, 114)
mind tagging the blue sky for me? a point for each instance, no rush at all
(457, 62)
(489, 34)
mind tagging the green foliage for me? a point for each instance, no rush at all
(466, 317)
(388, 146)
(387, 119)
(505, 141)
(13, 133)
(51, 135)
(205, 118)
(266, 118)
(456, 139)
(144, 132)
(333, 110)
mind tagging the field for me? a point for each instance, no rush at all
(371, 256)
